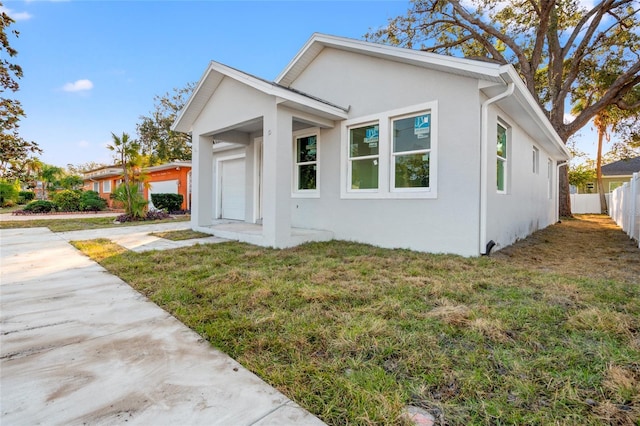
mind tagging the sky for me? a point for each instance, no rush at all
(94, 67)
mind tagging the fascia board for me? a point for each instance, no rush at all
(179, 125)
(528, 102)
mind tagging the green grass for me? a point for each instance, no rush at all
(180, 235)
(354, 333)
(64, 225)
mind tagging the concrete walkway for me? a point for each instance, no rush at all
(79, 346)
(137, 238)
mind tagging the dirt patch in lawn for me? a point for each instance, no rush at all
(589, 246)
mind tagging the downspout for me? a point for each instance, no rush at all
(484, 165)
(556, 196)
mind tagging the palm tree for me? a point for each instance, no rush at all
(127, 155)
(49, 176)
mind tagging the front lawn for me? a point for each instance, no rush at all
(354, 333)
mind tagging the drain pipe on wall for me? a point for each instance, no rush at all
(484, 247)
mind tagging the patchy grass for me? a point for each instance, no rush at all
(354, 333)
(64, 225)
(183, 234)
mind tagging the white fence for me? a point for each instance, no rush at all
(625, 207)
(587, 203)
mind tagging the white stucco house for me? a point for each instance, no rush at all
(366, 142)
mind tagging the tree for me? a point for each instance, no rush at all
(127, 155)
(610, 119)
(157, 140)
(71, 182)
(50, 176)
(79, 169)
(554, 44)
(14, 150)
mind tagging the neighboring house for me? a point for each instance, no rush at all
(619, 172)
(169, 178)
(103, 181)
(372, 143)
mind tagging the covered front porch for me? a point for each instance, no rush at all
(243, 156)
(252, 233)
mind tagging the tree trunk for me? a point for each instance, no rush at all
(603, 199)
(564, 199)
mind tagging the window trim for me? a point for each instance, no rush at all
(393, 154)
(363, 157)
(505, 159)
(305, 193)
(96, 187)
(385, 155)
(106, 186)
(535, 160)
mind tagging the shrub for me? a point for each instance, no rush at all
(68, 200)
(41, 206)
(26, 196)
(91, 201)
(168, 202)
(8, 193)
(134, 203)
(151, 215)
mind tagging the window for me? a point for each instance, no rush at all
(106, 186)
(364, 157)
(391, 154)
(536, 160)
(501, 153)
(96, 186)
(306, 163)
(411, 150)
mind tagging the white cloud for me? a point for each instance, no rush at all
(16, 16)
(78, 86)
(83, 144)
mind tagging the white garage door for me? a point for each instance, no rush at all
(162, 187)
(232, 189)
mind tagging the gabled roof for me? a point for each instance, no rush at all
(317, 42)
(216, 72)
(622, 167)
(501, 75)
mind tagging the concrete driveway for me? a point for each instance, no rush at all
(79, 346)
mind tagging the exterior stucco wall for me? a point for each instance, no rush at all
(231, 104)
(526, 206)
(369, 85)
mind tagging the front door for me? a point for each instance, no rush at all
(232, 189)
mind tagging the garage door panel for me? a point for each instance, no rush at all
(162, 187)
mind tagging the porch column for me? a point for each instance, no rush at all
(278, 157)
(202, 182)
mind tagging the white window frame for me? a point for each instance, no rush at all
(385, 184)
(549, 178)
(96, 187)
(393, 155)
(535, 160)
(364, 157)
(305, 193)
(106, 186)
(505, 159)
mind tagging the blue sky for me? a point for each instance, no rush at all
(94, 67)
